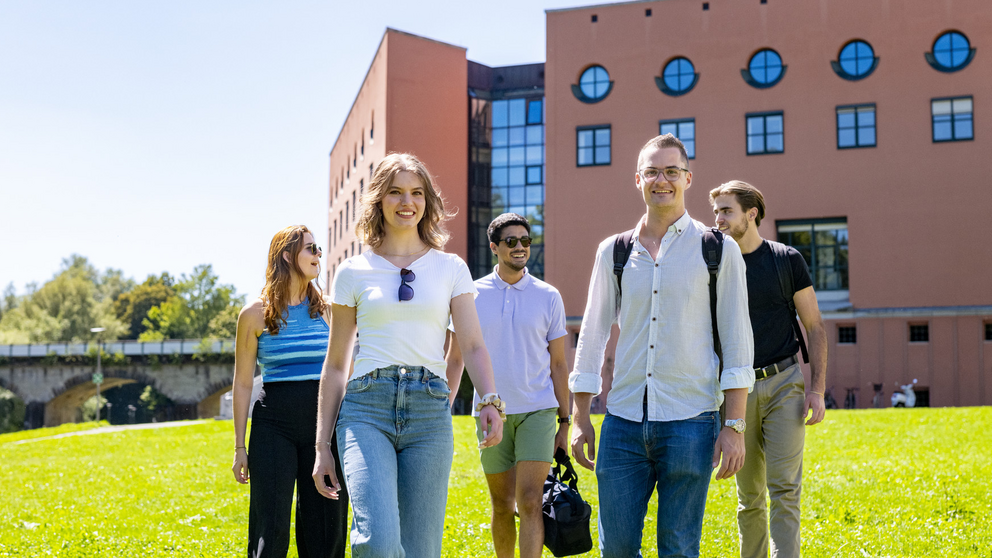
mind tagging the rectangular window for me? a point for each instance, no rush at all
(856, 126)
(341, 220)
(347, 213)
(592, 145)
(354, 204)
(847, 335)
(684, 129)
(823, 243)
(952, 119)
(988, 331)
(919, 333)
(765, 133)
(334, 237)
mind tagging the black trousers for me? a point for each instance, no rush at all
(280, 456)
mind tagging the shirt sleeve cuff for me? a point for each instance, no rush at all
(585, 382)
(736, 378)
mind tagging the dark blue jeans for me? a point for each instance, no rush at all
(634, 458)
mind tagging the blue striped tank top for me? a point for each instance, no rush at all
(297, 352)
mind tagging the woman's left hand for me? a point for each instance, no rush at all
(492, 426)
(240, 467)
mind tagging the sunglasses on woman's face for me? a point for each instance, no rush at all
(406, 291)
(314, 249)
(511, 241)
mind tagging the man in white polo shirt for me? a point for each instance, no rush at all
(523, 323)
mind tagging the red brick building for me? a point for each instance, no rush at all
(861, 121)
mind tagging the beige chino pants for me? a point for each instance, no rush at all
(773, 466)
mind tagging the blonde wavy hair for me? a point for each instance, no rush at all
(370, 226)
(278, 277)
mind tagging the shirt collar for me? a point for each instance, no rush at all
(678, 226)
(682, 223)
(519, 285)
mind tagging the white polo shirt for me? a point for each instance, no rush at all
(518, 321)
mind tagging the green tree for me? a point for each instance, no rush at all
(66, 307)
(11, 412)
(199, 306)
(132, 307)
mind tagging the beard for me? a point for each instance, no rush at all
(738, 231)
(513, 265)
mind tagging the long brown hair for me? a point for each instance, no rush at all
(279, 274)
(371, 223)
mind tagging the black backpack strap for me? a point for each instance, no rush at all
(780, 254)
(712, 254)
(621, 253)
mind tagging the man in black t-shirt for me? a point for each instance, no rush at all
(779, 403)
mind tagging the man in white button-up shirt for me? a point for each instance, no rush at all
(662, 427)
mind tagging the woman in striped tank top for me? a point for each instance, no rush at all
(285, 331)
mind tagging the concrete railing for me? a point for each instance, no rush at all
(128, 348)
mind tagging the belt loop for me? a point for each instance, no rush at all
(375, 374)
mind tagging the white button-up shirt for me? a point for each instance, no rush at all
(666, 334)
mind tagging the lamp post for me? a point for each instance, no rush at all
(98, 376)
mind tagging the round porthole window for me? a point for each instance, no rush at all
(678, 77)
(595, 83)
(952, 51)
(857, 59)
(766, 68)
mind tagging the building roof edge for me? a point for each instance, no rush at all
(369, 70)
(597, 6)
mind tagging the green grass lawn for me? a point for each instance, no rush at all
(892, 482)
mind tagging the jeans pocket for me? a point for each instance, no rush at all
(437, 388)
(359, 385)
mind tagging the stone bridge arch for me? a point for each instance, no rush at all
(53, 394)
(209, 406)
(65, 405)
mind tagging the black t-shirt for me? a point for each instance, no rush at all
(774, 338)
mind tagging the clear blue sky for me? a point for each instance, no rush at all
(155, 136)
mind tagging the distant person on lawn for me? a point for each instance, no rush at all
(285, 331)
(523, 323)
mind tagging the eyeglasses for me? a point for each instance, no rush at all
(671, 174)
(314, 249)
(512, 241)
(406, 291)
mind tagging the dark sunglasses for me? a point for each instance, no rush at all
(511, 241)
(406, 291)
(314, 249)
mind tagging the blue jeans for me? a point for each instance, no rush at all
(396, 442)
(676, 456)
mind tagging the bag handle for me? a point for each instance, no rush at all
(569, 477)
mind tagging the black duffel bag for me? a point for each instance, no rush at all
(566, 514)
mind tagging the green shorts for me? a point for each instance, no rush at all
(526, 437)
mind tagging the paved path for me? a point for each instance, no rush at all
(118, 428)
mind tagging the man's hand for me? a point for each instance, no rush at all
(731, 445)
(583, 434)
(561, 438)
(814, 402)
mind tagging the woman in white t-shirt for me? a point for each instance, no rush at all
(392, 417)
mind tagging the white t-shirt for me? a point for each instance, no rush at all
(392, 332)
